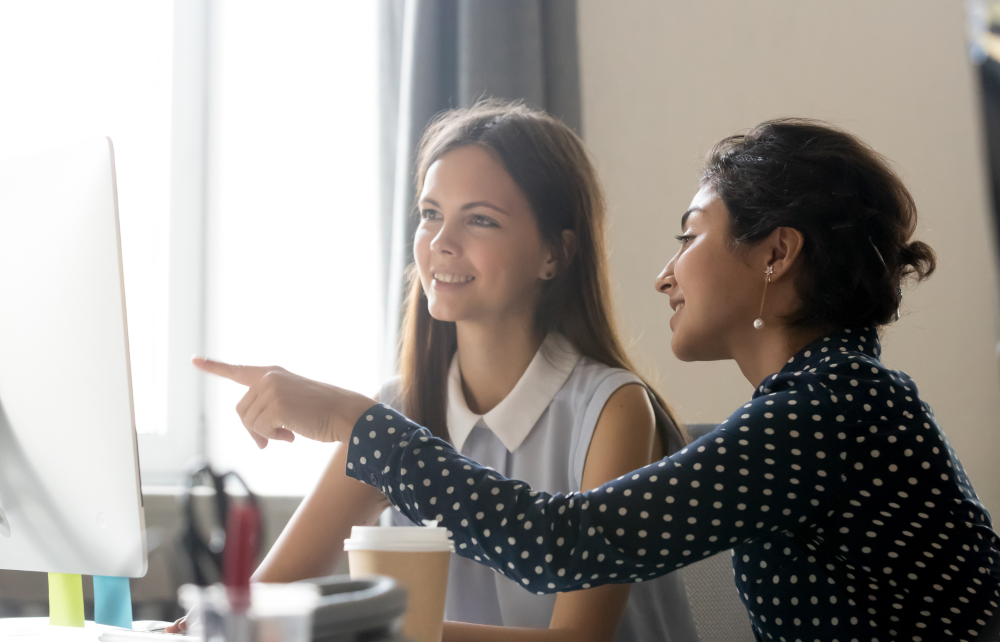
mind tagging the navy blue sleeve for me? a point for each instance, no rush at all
(768, 467)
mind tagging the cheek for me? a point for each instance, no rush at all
(700, 279)
(689, 274)
(422, 253)
(497, 260)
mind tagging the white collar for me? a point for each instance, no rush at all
(514, 417)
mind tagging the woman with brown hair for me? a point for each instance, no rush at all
(509, 349)
(849, 515)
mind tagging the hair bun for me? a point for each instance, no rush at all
(918, 259)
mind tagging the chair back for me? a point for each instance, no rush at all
(719, 614)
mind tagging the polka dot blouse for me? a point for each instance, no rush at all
(848, 514)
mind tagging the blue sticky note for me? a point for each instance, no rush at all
(112, 601)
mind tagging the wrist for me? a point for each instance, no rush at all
(347, 411)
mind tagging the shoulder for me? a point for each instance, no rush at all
(623, 437)
(834, 392)
(628, 407)
(849, 382)
(591, 379)
(589, 388)
(612, 413)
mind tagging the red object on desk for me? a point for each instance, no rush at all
(242, 545)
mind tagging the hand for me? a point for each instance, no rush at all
(279, 403)
(180, 626)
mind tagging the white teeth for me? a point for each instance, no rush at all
(454, 278)
(680, 306)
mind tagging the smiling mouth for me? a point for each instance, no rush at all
(453, 278)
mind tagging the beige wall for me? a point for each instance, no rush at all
(663, 80)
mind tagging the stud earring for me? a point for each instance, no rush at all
(548, 275)
(758, 323)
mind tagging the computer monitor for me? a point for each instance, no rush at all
(69, 469)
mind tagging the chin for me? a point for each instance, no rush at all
(689, 348)
(681, 350)
(444, 313)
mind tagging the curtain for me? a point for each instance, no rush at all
(444, 54)
(984, 50)
(989, 76)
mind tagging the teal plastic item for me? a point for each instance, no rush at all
(112, 601)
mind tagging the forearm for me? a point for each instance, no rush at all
(544, 542)
(464, 632)
(640, 526)
(311, 544)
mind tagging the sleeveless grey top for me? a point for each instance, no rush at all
(541, 433)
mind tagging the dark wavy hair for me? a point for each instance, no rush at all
(855, 213)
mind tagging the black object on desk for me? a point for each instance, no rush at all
(363, 610)
(204, 543)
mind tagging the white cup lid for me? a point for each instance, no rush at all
(429, 538)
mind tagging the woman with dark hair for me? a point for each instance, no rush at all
(849, 515)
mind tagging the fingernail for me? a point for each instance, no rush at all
(197, 356)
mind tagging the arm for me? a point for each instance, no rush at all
(725, 488)
(622, 441)
(313, 541)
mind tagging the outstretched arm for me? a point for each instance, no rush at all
(728, 487)
(639, 526)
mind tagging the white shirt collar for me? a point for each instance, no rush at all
(514, 417)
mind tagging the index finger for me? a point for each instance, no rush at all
(245, 375)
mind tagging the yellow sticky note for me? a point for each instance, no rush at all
(65, 600)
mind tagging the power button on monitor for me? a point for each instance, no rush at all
(4, 525)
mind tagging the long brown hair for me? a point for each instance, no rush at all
(551, 166)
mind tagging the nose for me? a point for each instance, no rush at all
(444, 241)
(666, 282)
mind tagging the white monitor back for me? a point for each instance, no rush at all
(69, 470)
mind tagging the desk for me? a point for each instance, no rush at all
(18, 629)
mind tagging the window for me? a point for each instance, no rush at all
(72, 70)
(247, 180)
(292, 237)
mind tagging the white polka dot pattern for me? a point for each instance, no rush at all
(849, 515)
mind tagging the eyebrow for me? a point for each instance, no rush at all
(684, 217)
(469, 206)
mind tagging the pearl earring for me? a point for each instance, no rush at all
(758, 323)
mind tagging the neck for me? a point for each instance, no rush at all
(493, 356)
(763, 352)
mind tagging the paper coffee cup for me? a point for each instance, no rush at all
(418, 559)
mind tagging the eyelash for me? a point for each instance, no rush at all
(482, 221)
(684, 238)
(476, 219)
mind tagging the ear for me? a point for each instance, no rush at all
(782, 250)
(559, 257)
